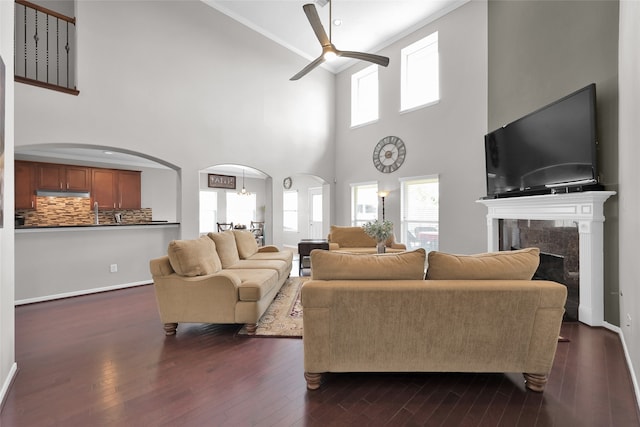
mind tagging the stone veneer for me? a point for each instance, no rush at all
(52, 211)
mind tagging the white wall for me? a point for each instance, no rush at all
(191, 87)
(444, 139)
(629, 136)
(7, 334)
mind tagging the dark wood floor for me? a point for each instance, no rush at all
(103, 360)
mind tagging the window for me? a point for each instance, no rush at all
(241, 208)
(290, 211)
(420, 219)
(420, 75)
(364, 203)
(364, 96)
(208, 211)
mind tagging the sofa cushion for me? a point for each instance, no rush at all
(196, 257)
(246, 243)
(331, 265)
(350, 237)
(504, 265)
(255, 283)
(226, 247)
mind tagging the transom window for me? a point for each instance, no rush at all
(364, 96)
(420, 74)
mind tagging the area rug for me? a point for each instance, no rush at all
(283, 318)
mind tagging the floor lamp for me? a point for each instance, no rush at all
(382, 195)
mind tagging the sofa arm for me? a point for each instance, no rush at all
(397, 246)
(201, 299)
(268, 248)
(334, 246)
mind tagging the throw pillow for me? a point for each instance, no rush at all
(504, 265)
(246, 243)
(226, 247)
(197, 257)
(335, 265)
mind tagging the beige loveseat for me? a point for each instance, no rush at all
(354, 239)
(219, 278)
(482, 313)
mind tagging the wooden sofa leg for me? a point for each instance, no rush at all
(170, 328)
(535, 382)
(251, 328)
(313, 380)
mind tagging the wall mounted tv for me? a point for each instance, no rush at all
(550, 150)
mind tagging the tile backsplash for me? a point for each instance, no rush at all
(53, 211)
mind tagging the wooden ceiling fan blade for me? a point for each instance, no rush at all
(309, 67)
(370, 57)
(316, 24)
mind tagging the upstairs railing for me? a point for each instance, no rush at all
(45, 48)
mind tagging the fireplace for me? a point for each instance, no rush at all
(558, 242)
(585, 210)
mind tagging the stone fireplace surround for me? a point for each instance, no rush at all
(587, 210)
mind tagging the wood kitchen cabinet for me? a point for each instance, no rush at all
(116, 189)
(51, 176)
(25, 191)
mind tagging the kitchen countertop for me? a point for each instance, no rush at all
(27, 228)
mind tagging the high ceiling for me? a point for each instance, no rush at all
(366, 25)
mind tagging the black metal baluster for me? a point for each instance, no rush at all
(67, 49)
(25, 41)
(58, 52)
(47, 48)
(35, 37)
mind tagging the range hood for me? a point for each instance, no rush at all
(47, 193)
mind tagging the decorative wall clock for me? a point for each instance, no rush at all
(286, 183)
(389, 154)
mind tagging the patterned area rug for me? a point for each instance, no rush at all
(283, 318)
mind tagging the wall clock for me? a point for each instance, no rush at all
(389, 154)
(286, 183)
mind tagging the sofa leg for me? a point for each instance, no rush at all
(251, 328)
(313, 380)
(170, 328)
(535, 382)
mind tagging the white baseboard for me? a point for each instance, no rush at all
(632, 372)
(82, 292)
(7, 383)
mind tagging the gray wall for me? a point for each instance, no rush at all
(444, 139)
(630, 180)
(540, 51)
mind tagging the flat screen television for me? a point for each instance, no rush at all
(550, 150)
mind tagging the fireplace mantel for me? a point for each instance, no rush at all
(585, 208)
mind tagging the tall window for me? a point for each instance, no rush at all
(208, 211)
(290, 211)
(364, 203)
(241, 208)
(420, 74)
(420, 218)
(364, 96)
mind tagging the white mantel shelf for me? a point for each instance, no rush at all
(585, 208)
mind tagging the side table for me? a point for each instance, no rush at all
(305, 246)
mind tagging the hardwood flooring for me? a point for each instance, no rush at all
(103, 360)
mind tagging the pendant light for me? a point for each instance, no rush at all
(244, 191)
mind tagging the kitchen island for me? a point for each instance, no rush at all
(63, 261)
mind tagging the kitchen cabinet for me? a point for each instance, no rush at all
(116, 189)
(51, 176)
(25, 192)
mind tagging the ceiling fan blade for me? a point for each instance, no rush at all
(316, 24)
(370, 57)
(309, 67)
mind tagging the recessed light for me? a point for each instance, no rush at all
(108, 152)
(337, 22)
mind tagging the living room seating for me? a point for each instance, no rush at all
(355, 240)
(476, 313)
(219, 278)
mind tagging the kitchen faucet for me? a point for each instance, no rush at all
(95, 210)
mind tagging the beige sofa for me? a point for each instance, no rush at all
(355, 240)
(219, 278)
(482, 313)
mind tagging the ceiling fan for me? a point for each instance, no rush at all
(328, 49)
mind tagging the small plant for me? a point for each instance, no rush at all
(379, 230)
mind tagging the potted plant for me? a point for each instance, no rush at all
(380, 231)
